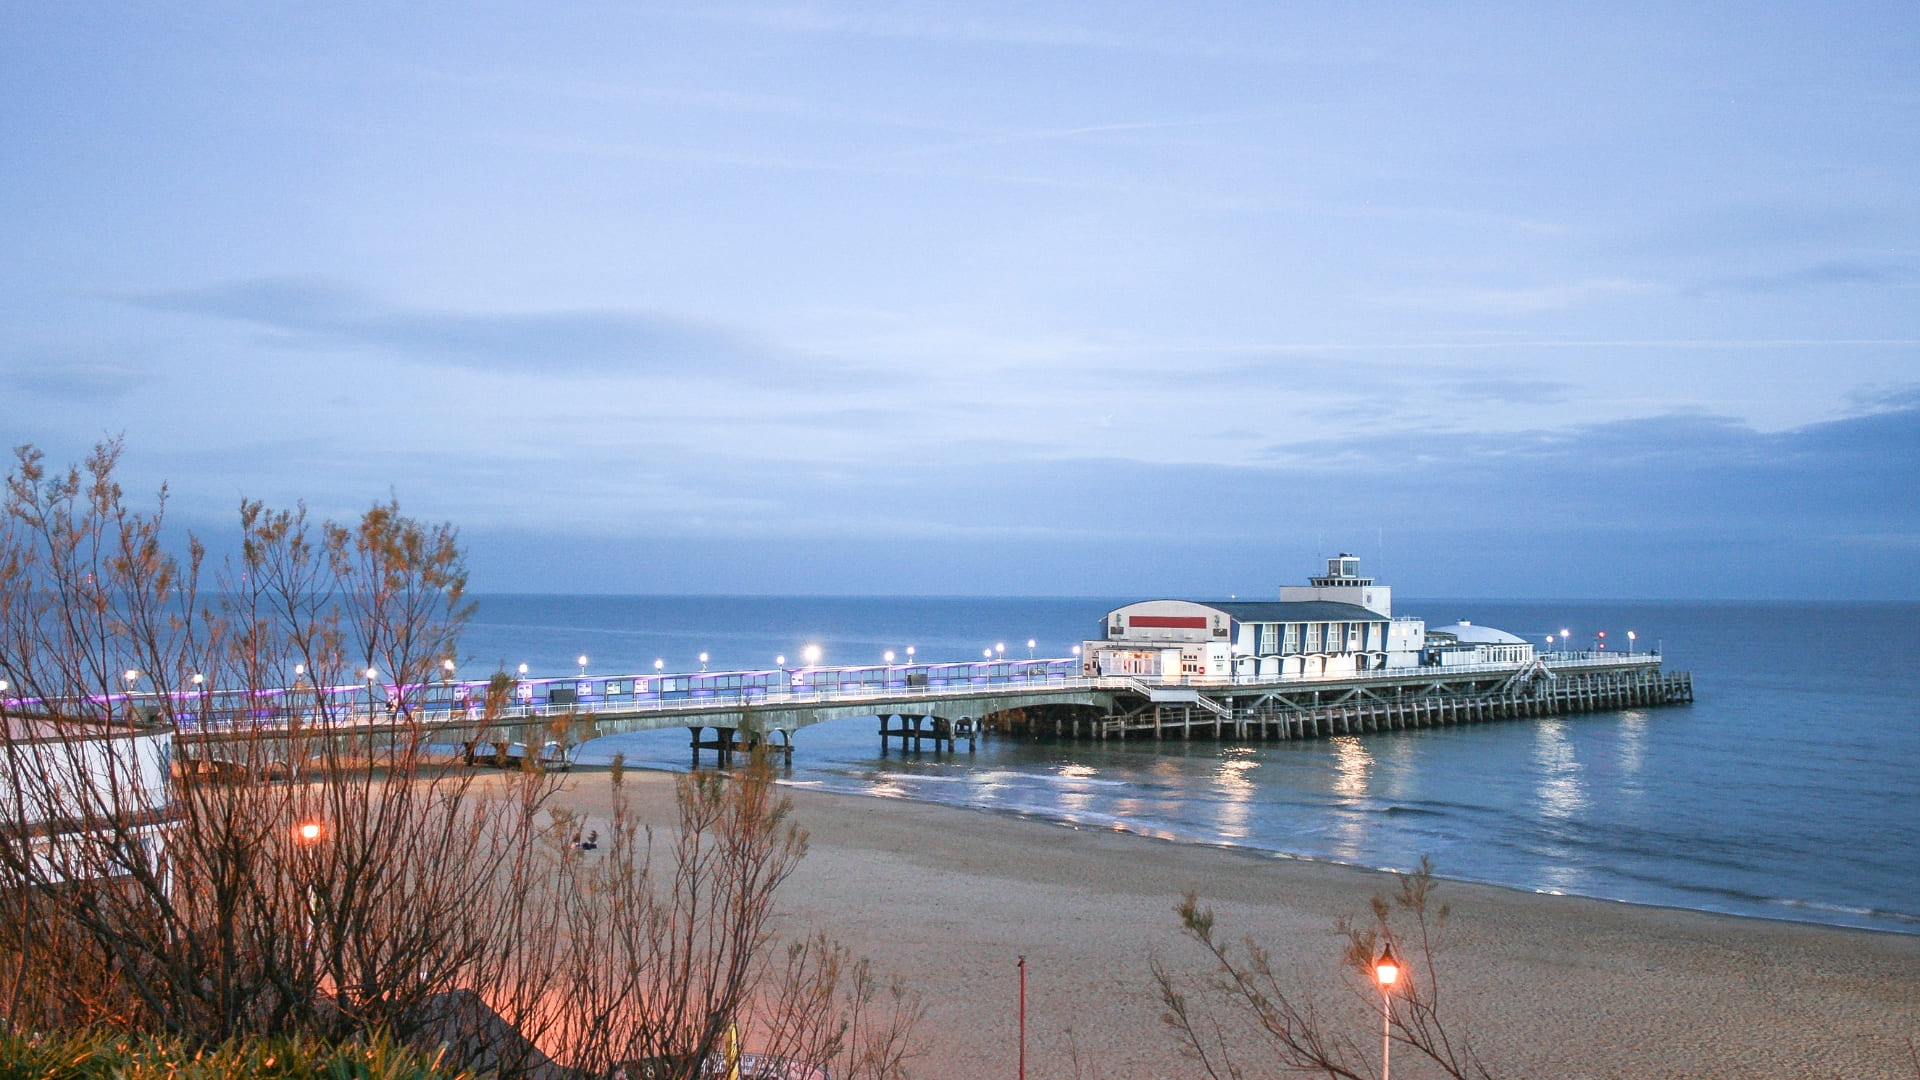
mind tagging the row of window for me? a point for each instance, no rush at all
(1327, 637)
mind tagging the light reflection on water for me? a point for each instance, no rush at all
(1235, 789)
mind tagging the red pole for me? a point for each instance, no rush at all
(1023, 1018)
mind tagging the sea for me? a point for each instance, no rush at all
(1789, 789)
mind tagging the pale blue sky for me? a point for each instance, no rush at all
(1103, 298)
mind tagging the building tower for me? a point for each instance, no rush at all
(1342, 584)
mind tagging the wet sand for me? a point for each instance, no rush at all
(1544, 986)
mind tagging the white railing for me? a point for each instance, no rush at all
(1043, 676)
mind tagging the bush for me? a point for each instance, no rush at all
(134, 1057)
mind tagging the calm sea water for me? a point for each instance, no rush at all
(1789, 789)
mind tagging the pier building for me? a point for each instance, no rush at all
(1339, 623)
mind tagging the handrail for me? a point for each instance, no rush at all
(1034, 678)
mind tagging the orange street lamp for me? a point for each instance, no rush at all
(308, 832)
(1386, 972)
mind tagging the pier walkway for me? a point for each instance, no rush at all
(944, 704)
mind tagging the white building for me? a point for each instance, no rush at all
(1465, 643)
(1338, 624)
(75, 791)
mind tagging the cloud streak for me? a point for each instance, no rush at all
(309, 311)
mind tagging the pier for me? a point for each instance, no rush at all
(1328, 658)
(1366, 706)
(939, 707)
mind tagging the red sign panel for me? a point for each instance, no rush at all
(1170, 622)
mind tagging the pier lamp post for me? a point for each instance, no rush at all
(703, 661)
(1549, 643)
(812, 655)
(1630, 636)
(1030, 647)
(1001, 648)
(1386, 972)
(1566, 637)
(371, 674)
(659, 666)
(909, 654)
(583, 665)
(888, 657)
(781, 660)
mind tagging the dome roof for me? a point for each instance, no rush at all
(1468, 634)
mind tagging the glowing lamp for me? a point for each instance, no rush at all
(372, 674)
(888, 656)
(813, 654)
(307, 832)
(132, 675)
(1386, 970)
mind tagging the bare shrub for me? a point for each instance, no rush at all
(299, 863)
(670, 946)
(1244, 1018)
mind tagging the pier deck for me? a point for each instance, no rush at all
(1028, 699)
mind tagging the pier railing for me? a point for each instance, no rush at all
(705, 692)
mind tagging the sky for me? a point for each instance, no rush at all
(1606, 300)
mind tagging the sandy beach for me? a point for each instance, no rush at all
(1545, 986)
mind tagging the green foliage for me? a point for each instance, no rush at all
(136, 1057)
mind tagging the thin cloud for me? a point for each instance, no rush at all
(1822, 275)
(93, 376)
(1513, 391)
(563, 342)
(1523, 299)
